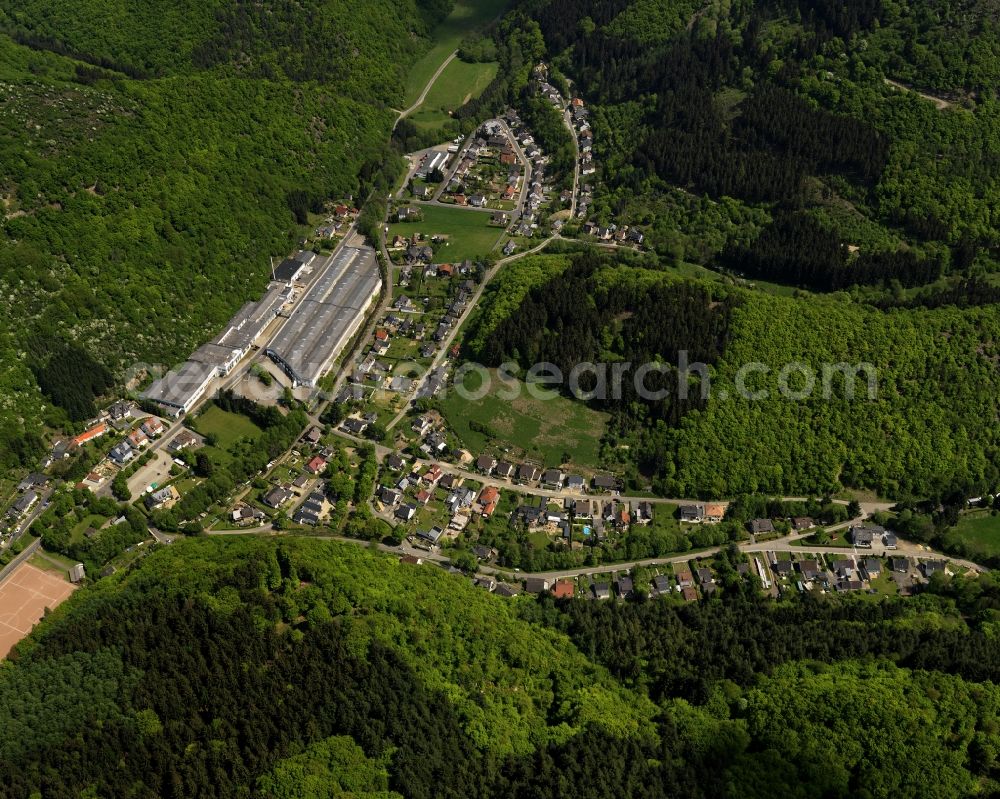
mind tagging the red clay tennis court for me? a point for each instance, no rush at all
(24, 595)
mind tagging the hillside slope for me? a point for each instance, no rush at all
(152, 158)
(302, 668)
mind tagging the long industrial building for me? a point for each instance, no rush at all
(181, 389)
(329, 314)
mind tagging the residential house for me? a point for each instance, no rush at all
(553, 478)
(33, 480)
(802, 523)
(121, 453)
(536, 585)
(661, 584)
(406, 512)
(433, 535)
(890, 541)
(844, 568)
(563, 589)
(605, 482)
(504, 469)
(316, 465)
(23, 504)
(759, 526)
(152, 427)
(809, 569)
(183, 440)
(899, 565)
(163, 498)
(395, 462)
(872, 567)
(575, 482)
(689, 594)
(486, 463)
(94, 432)
(276, 497)
(705, 576)
(625, 586)
(528, 473)
(601, 590)
(715, 512)
(864, 535)
(692, 513)
(684, 579)
(930, 567)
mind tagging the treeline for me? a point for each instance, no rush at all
(570, 320)
(743, 637)
(266, 666)
(797, 249)
(550, 132)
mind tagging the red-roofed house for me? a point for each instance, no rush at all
(96, 431)
(316, 465)
(563, 589)
(432, 475)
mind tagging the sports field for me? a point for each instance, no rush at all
(24, 596)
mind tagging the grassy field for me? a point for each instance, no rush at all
(978, 532)
(227, 428)
(459, 83)
(469, 233)
(546, 429)
(465, 17)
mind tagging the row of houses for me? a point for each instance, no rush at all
(554, 479)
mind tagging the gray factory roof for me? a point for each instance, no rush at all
(213, 354)
(250, 321)
(324, 318)
(176, 388)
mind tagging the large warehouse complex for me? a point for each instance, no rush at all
(179, 390)
(327, 316)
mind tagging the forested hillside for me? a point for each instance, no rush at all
(303, 668)
(740, 115)
(153, 157)
(922, 434)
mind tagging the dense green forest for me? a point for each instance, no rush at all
(152, 158)
(727, 115)
(922, 435)
(301, 668)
